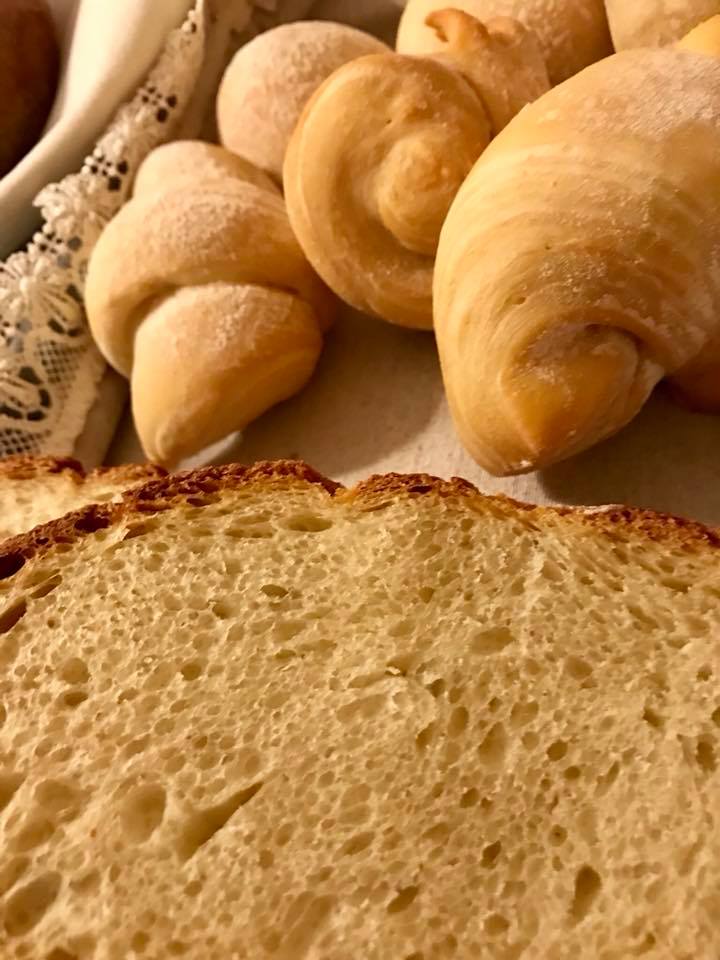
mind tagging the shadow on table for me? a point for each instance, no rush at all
(375, 389)
(667, 459)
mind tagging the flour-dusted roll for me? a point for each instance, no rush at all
(572, 33)
(271, 79)
(579, 263)
(199, 293)
(655, 23)
(382, 148)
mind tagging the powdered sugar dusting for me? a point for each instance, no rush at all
(271, 79)
(643, 93)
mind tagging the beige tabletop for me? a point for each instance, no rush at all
(376, 405)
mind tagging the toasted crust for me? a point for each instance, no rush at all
(377, 492)
(33, 468)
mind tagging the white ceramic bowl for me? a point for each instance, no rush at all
(108, 46)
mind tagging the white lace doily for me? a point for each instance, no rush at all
(49, 366)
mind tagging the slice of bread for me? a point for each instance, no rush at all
(37, 489)
(248, 714)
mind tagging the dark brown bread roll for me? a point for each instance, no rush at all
(29, 66)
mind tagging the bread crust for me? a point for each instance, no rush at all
(620, 523)
(33, 468)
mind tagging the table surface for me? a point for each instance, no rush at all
(376, 405)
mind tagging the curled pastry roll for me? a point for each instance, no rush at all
(572, 33)
(199, 293)
(382, 148)
(579, 263)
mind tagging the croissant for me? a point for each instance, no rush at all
(270, 79)
(199, 293)
(572, 33)
(383, 146)
(578, 264)
(655, 23)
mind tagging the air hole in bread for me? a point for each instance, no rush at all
(204, 500)
(27, 906)
(426, 594)
(74, 671)
(458, 721)
(705, 755)
(10, 563)
(653, 718)
(496, 925)
(72, 698)
(59, 953)
(577, 668)
(558, 835)
(469, 798)
(143, 810)
(491, 641)
(91, 520)
(140, 529)
(58, 799)
(191, 670)
(261, 531)
(403, 899)
(9, 785)
(203, 825)
(425, 737)
(704, 673)
(308, 523)
(491, 853)
(36, 831)
(557, 750)
(86, 883)
(11, 871)
(493, 748)
(274, 591)
(46, 588)
(357, 843)
(12, 615)
(675, 584)
(523, 713)
(587, 887)
(401, 664)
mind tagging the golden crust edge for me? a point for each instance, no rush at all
(23, 467)
(162, 493)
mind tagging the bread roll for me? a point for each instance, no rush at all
(655, 23)
(271, 79)
(29, 63)
(576, 267)
(572, 33)
(199, 292)
(382, 148)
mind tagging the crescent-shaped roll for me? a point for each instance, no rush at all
(655, 23)
(200, 294)
(271, 78)
(572, 33)
(578, 265)
(382, 148)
